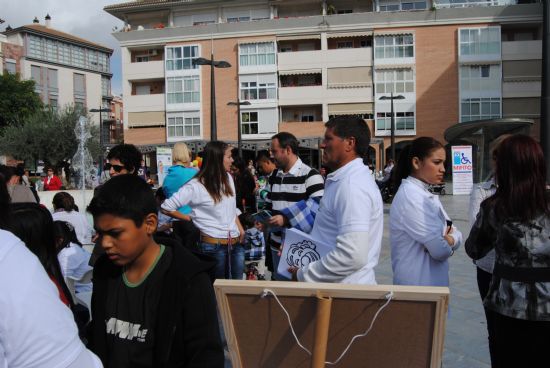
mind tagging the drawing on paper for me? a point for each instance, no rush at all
(301, 254)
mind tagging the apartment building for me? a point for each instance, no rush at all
(298, 63)
(66, 69)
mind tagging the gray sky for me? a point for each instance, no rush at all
(82, 18)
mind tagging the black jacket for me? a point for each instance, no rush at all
(187, 331)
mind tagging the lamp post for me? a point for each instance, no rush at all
(391, 98)
(100, 158)
(239, 103)
(213, 64)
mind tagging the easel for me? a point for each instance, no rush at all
(324, 317)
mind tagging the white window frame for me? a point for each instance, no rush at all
(172, 59)
(10, 66)
(248, 123)
(251, 53)
(402, 118)
(479, 41)
(494, 108)
(398, 46)
(395, 80)
(178, 86)
(252, 90)
(179, 124)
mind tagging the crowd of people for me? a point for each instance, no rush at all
(156, 255)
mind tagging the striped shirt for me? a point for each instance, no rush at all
(299, 183)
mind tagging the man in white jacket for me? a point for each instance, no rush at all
(350, 215)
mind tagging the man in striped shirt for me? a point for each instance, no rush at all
(292, 182)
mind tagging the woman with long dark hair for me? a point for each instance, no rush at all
(515, 222)
(33, 224)
(211, 196)
(422, 236)
(245, 186)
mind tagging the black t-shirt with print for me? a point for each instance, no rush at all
(131, 314)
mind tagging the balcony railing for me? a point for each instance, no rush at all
(441, 4)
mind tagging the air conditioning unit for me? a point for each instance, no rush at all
(153, 52)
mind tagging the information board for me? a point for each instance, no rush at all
(463, 179)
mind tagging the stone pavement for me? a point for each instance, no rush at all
(466, 344)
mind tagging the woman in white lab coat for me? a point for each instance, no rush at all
(422, 236)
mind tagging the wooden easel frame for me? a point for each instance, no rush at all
(437, 295)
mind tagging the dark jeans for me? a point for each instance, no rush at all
(483, 283)
(520, 343)
(229, 259)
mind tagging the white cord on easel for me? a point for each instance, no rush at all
(266, 291)
(388, 296)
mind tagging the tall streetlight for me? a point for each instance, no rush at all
(391, 98)
(239, 103)
(218, 64)
(100, 158)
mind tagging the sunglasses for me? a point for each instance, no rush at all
(116, 168)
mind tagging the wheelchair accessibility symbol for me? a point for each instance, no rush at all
(460, 159)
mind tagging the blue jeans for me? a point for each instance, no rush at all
(227, 267)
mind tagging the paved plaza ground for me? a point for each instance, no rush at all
(466, 344)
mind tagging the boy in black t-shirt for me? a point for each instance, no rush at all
(153, 304)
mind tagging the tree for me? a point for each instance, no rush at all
(18, 100)
(47, 135)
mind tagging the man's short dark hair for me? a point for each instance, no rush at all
(128, 155)
(263, 157)
(352, 126)
(126, 196)
(286, 139)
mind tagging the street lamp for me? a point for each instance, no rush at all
(391, 98)
(218, 64)
(239, 103)
(100, 159)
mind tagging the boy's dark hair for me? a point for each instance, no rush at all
(286, 139)
(128, 155)
(63, 200)
(352, 126)
(247, 220)
(126, 196)
(263, 157)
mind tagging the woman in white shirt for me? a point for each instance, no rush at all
(73, 259)
(65, 210)
(211, 196)
(422, 236)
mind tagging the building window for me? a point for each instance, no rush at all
(307, 118)
(181, 57)
(478, 78)
(183, 90)
(249, 123)
(479, 109)
(10, 67)
(366, 43)
(394, 80)
(389, 7)
(397, 5)
(53, 104)
(258, 91)
(64, 53)
(105, 86)
(79, 88)
(52, 82)
(403, 121)
(238, 19)
(344, 45)
(142, 58)
(345, 11)
(394, 46)
(186, 125)
(252, 54)
(480, 41)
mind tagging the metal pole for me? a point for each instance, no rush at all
(100, 142)
(213, 127)
(239, 133)
(392, 129)
(545, 84)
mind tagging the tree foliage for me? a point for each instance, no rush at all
(18, 100)
(47, 135)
